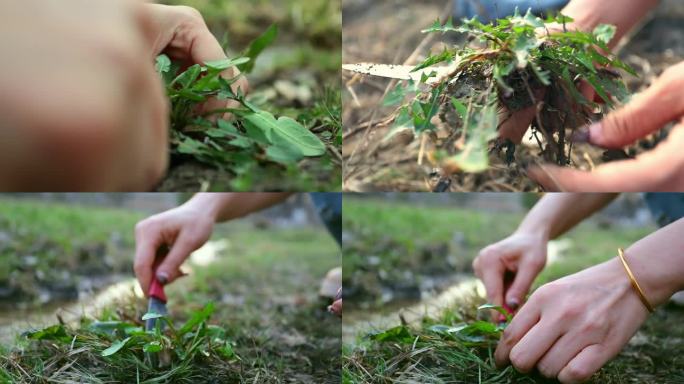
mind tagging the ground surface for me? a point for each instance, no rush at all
(298, 76)
(389, 32)
(400, 253)
(263, 280)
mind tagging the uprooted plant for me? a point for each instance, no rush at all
(122, 351)
(520, 62)
(253, 136)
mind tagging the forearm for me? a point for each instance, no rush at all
(657, 262)
(556, 213)
(229, 206)
(624, 14)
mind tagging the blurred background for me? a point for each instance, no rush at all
(64, 256)
(406, 249)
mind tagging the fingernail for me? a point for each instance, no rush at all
(162, 277)
(513, 304)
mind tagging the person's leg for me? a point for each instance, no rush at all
(329, 208)
(488, 10)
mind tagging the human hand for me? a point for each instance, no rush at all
(336, 306)
(183, 230)
(182, 34)
(81, 107)
(524, 254)
(656, 170)
(571, 327)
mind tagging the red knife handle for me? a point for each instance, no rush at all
(157, 290)
(508, 280)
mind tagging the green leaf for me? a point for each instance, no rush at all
(283, 155)
(522, 48)
(438, 27)
(257, 46)
(222, 65)
(604, 33)
(480, 128)
(188, 77)
(54, 332)
(115, 347)
(286, 132)
(397, 334)
(151, 315)
(395, 96)
(461, 109)
(497, 308)
(197, 318)
(163, 64)
(241, 142)
(152, 347)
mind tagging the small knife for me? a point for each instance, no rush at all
(157, 302)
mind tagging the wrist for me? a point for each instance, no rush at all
(206, 204)
(657, 286)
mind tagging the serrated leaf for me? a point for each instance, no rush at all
(604, 33)
(395, 96)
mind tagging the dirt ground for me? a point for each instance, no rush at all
(389, 32)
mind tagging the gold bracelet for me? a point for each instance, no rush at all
(635, 285)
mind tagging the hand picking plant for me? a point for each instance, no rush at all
(452, 349)
(523, 61)
(120, 351)
(255, 134)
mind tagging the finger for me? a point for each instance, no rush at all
(655, 170)
(533, 345)
(527, 271)
(515, 125)
(558, 356)
(336, 307)
(647, 112)
(145, 252)
(585, 364)
(526, 318)
(169, 269)
(490, 270)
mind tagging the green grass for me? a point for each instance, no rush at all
(53, 245)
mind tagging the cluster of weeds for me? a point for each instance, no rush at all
(122, 351)
(455, 348)
(253, 137)
(519, 62)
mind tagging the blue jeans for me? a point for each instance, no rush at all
(329, 208)
(488, 10)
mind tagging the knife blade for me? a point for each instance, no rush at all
(401, 72)
(157, 304)
(158, 300)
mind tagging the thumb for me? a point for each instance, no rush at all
(655, 170)
(649, 111)
(169, 269)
